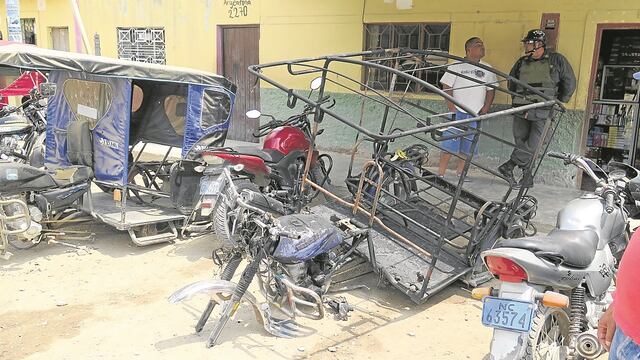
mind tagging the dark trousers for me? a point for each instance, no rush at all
(527, 135)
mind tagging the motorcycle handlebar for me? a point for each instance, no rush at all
(557, 155)
(578, 161)
(609, 202)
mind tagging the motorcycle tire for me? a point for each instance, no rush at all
(19, 244)
(543, 322)
(221, 222)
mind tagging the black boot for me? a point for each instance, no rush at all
(506, 170)
(525, 182)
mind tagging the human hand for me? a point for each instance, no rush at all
(606, 328)
(484, 110)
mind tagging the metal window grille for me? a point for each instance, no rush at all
(142, 44)
(28, 27)
(415, 36)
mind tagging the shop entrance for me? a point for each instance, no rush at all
(612, 132)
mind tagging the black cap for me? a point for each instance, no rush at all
(536, 35)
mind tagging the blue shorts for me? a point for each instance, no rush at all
(623, 347)
(460, 145)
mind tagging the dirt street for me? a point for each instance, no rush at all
(111, 303)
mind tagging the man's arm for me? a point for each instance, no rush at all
(488, 100)
(567, 84)
(515, 72)
(449, 92)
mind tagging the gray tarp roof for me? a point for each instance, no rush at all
(34, 58)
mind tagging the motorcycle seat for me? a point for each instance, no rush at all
(71, 175)
(271, 156)
(573, 248)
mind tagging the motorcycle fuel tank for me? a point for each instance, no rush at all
(286, 139)
(587, 212)
(315, 236)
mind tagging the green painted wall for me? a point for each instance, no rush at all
(340, 138)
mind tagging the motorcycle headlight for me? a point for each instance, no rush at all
(17, 224)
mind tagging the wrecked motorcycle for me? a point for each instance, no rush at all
(275, 170)
(293, 258)
(554, 288)
(22, 128)
(35, 201)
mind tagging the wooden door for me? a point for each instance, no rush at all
(239, 50)
(60, 38)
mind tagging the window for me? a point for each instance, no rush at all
(88, 100)
(414, 36)
(216, 107)
(28, 27)
(175, 107)
(142, 44)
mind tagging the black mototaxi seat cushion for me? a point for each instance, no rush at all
(80, 143)
(573, 248)
(271, 156)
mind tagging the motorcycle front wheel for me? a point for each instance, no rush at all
(222, 222)
(549, 336)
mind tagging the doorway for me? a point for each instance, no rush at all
(59, 38)
(237, 50)
(612, 131)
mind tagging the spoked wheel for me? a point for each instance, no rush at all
(223, 223)
(549, 336)
(396, 187)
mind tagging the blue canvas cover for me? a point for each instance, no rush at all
(208, 117)
(111, 131)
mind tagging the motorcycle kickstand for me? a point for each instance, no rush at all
(227, 274)
(232, 306)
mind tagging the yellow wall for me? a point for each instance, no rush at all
(503, 23)
(304, 28)
(50, 13)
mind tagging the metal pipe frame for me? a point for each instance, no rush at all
(504, 213)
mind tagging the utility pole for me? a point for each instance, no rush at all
(79, 24)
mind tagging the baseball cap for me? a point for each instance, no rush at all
(637, 75)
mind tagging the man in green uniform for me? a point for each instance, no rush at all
(548, 72)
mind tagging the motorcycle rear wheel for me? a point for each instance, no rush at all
(549, 335)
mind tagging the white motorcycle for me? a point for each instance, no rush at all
(554, 288)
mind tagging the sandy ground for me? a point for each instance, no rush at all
(110, 303)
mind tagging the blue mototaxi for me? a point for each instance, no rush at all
(106, 110)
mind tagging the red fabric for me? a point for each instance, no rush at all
(22, 85)
(626, 308)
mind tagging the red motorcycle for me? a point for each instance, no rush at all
(275, 171)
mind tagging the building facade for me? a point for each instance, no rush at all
(224, 36)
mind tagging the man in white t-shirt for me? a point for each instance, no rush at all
(471, 94)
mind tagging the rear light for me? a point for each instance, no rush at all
(505, 269)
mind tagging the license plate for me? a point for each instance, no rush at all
(210, 186)
(507, 314)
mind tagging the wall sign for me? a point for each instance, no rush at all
(237, 8)
(13, 20)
